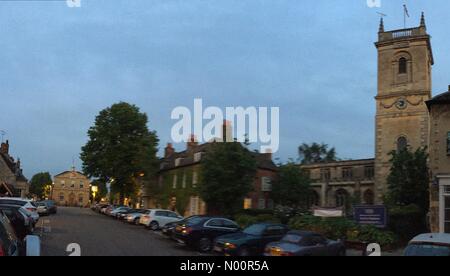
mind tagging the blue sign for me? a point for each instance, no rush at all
(375, 215)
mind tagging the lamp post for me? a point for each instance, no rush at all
(94, 190)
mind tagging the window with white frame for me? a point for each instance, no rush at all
(194, 208)
(198, 156)
(175, 179)
(183, 185)
(262, 203)
(63, 183)
(194, 179)
(266, 184)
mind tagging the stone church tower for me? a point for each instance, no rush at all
(405, 59)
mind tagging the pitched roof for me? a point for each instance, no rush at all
(443, 98)
(13, 166)
(186, 158)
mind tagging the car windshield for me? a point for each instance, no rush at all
(255, 229)
(292, 238)
(426, 250)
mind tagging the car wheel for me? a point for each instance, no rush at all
(204, 245)
(243, 252)
(136, 221)
(154, 226)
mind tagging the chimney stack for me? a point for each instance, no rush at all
(169, 150)
(192, 143)
(5, 147)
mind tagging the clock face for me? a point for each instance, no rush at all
(401, 103)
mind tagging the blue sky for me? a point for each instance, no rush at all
(314, 59)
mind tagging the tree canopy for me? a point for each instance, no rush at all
(316, 153)
(408, 180)
(120, 148)
(292, 188)
(38, 184)
(227, 176)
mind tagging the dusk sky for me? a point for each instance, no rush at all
(314, 59)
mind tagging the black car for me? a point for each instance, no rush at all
(10, 245)
(21, 227)
(251, 241)
(200, 232)
(169, 228)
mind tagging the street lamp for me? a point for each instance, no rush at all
(94, 190)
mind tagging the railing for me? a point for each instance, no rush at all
(404, 33)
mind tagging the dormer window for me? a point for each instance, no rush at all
(178, 162)
(198, 156)
(402, 65)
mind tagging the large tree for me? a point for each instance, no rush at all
(120, 149)
(409, 178)
(38, 184)
(292, 188)
(316, 153)
(227, 176)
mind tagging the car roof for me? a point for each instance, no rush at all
(432, 238)
(303, 233)
(15, 198)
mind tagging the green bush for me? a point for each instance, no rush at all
(342, 228)
(407, 221)
(245, 220)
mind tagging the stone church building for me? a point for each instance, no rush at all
(405, 60)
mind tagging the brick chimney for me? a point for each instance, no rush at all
(169, 150)
(5, 147)
(192, 143)
(268, 155)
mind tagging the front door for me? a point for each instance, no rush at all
(72, 200)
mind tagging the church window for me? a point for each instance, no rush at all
(402, 66)
(402, 144)
(341, 198)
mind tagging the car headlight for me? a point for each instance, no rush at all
(230, 246)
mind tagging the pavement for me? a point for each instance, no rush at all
(99, 235)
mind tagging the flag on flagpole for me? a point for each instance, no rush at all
(406, 10)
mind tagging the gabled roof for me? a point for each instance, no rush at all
(13, 167)
(443, 98)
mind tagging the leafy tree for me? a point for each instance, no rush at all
(120, 148)
(227, 177)
(292, 188)
(38, 184)
(409, 178)
(316, 153)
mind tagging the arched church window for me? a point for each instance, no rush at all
(402, 65)
(402, 143)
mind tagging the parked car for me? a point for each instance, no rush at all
(11, 245)
(251, 241)
(102, 208)
(135, 216)
(25, 203)
(21, 223)
(304, 243)
(119, 210)
(169, 228)
(122, 215)
(42, 209)
(51, 206)
(157, 218)
(425, 245)
(200, 232)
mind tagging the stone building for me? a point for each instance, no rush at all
(336, 184)
(405, 62)
(439, 150)
(180, 174)
(13, 182)
(405, 59)
(71, 188)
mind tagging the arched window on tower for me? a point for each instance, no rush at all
(402, 65)
(402, 144)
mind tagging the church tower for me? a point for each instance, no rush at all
(405, 59)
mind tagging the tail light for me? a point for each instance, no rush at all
(287, 254)
(31, 209)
